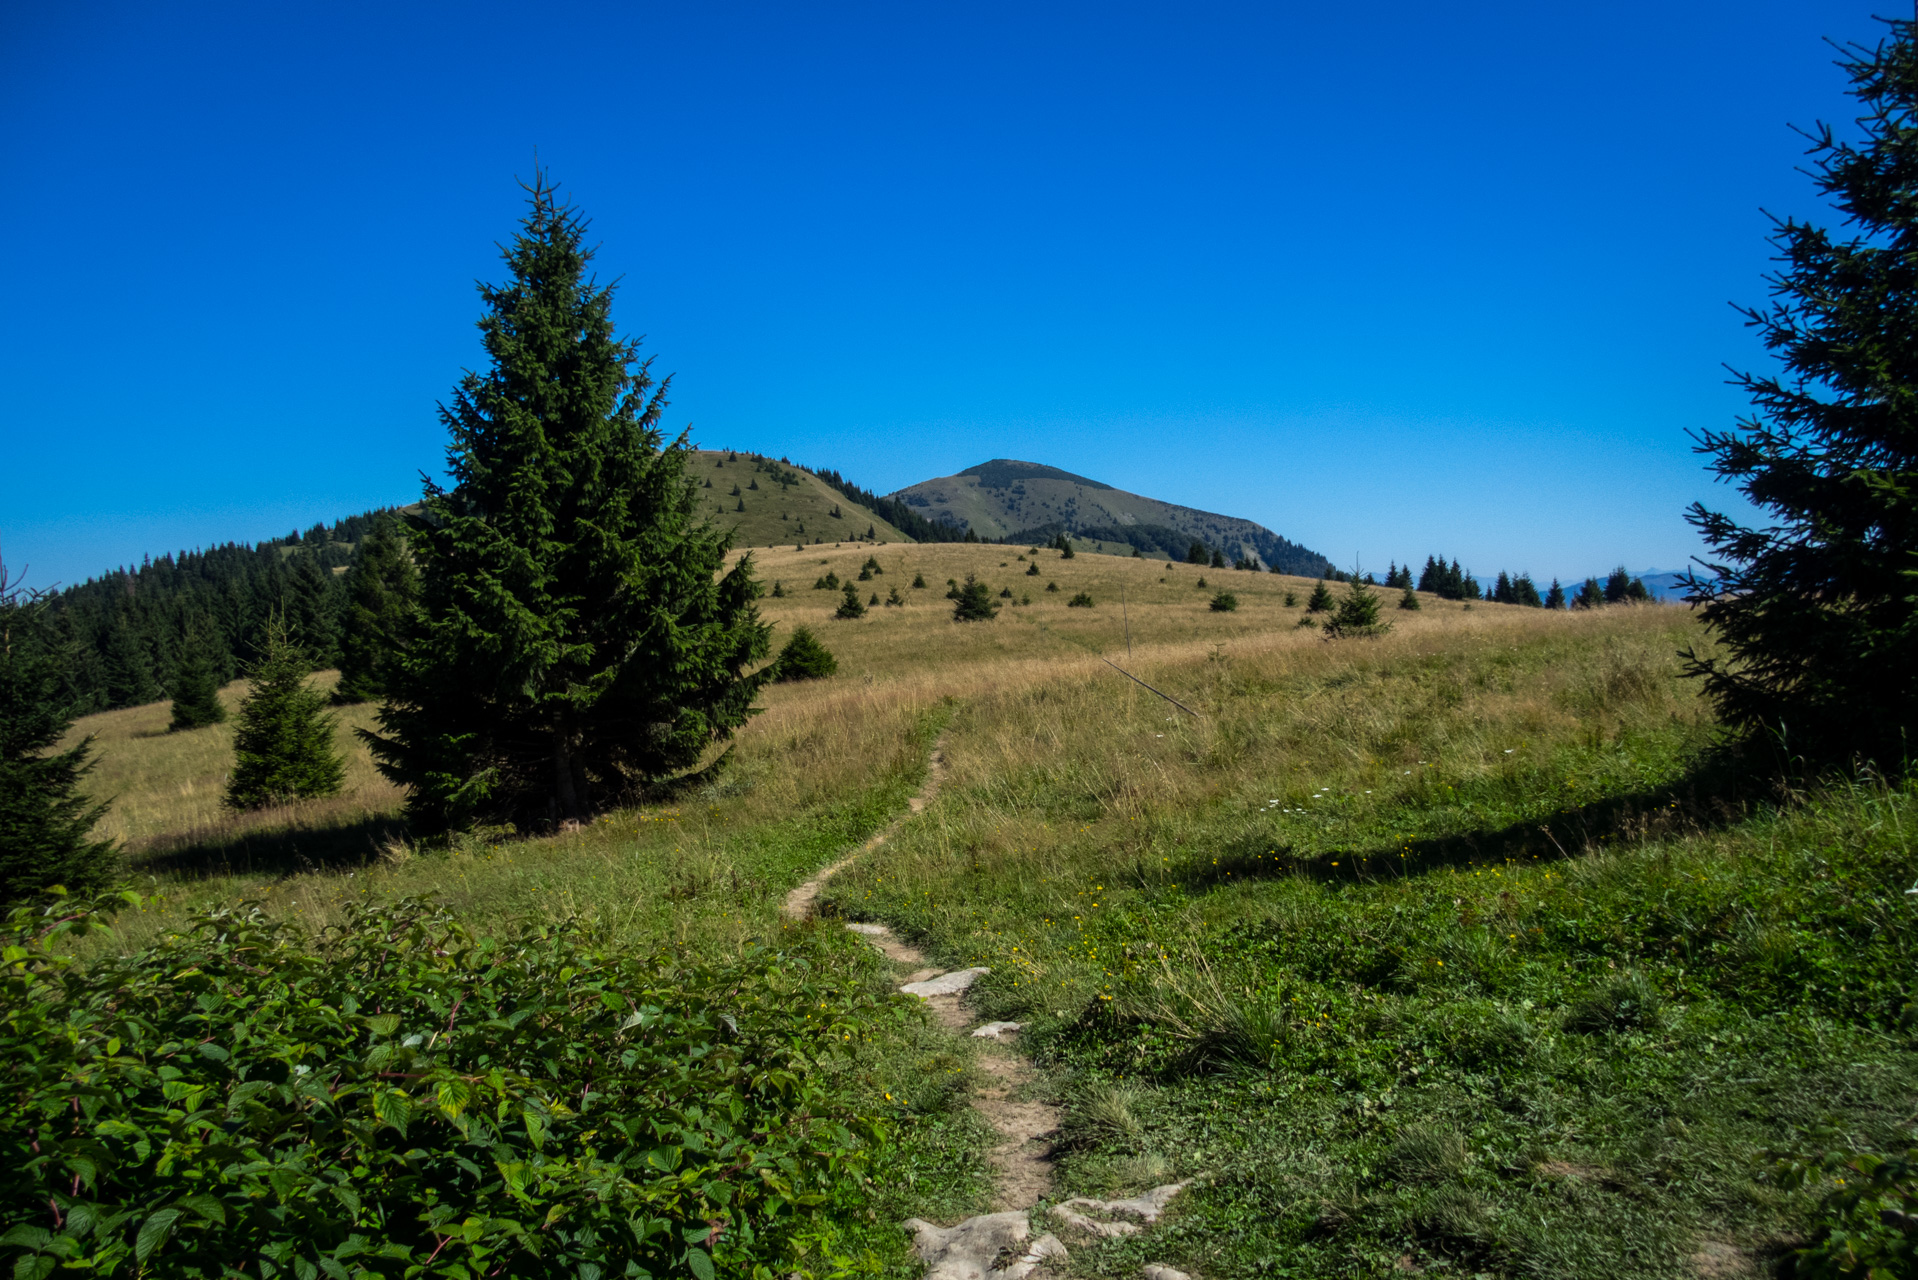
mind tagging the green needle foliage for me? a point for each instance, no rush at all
(804, 658)
(1320, 601)
(44, 817)
(578, 632)
(1409, 600)
(973, 602)
(1818, 608)
(401, 1098)
(196, 690)
(850, 606)
(1358, 612)
(382, 591)
(283, 749)
(1224, 602)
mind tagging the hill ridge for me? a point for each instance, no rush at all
(1014, 500)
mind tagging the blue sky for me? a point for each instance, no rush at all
(1391, 279)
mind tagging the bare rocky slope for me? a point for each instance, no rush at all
(1030, 502)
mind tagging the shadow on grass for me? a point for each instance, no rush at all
(281, 851)
(1716, 792)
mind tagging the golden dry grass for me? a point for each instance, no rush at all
(1043, 732)
(166, 788)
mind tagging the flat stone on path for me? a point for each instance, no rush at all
(870, 930)
(1159, 1271)
(996, 1030)
(973, 1249)
(946, 984)
(1145, 1208)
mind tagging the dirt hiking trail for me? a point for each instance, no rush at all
(996, 1244)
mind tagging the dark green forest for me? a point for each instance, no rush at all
(131, 630)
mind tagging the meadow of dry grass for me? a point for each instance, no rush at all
(1480, 884)
(1034, 711)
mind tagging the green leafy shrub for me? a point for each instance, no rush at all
(1868, 1221)
(399, 1098)
(1080, 601)
(804, 658)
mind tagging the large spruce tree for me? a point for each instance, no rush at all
(44, 816)
(382, 590)
(1818, 608)
(578, 630)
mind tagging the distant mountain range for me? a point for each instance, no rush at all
(1030, 502)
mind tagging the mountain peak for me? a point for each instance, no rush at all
(1003, 473)
(1031, 502)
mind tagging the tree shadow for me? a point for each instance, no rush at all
(1716, 792)
(278, 851)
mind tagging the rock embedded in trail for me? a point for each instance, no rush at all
(996, 1030)
(1159, 1271)
(946, 984)
(975, 1249)
(1146, 1208)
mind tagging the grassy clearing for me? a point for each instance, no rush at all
(1445, 952)
(1455, 950)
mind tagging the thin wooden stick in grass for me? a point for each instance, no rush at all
(1142, 684)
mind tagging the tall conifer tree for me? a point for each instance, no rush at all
(1819, 608)
(579, 631)
(44, 816)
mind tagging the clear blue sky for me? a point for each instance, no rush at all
(1391, 279)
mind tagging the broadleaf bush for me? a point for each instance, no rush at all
(396, 1097)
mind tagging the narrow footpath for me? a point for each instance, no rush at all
(996, 1245)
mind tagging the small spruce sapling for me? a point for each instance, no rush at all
(196, 691)
(1358, 612)
(1410, 600)
(283, 748)
(850, 607)
(1224, 602)
(1320, 601)
(804, 658)
(973, 602)
(1080, 601)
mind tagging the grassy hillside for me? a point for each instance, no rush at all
(1005, 498)
(1453, 951)
(783, 505)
